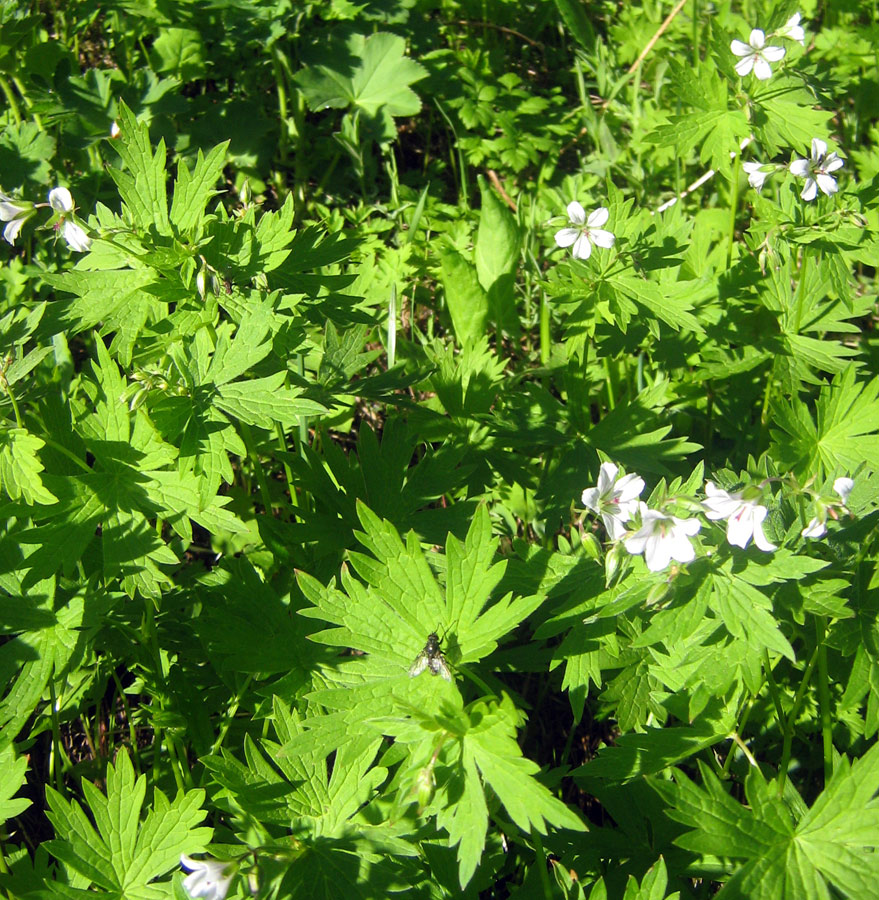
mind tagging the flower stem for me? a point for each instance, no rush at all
(10, 99)
(824, 698)
(791, 719)
(733, 204)
(801, 291)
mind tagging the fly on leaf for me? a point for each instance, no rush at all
(431, 657)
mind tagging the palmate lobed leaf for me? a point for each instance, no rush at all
(380, 77)
(118, 853)
(833, 845)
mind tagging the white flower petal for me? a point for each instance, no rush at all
(76, 238)
(827, 183)
(629, 487)
(582, 248)
(680, 548)
(843, 486)
(606, 476)
(814, 529)
(819, 149)
(757, 38)
(745, 65)
(614, 525)
(10, 232)
(832, 163)
(566, 237)
(740, 529)
(690, 527)
(598, 217)
(810, 191)
(799, 167)
(657, 552)
(762, 71)
(740, 48)
(576, 213)
(61, 200)
(9, 209)
(760, 539)
(602, 238)
(773, 54)
(591, 499)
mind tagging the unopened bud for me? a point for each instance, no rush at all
(245, 195)
(612, 563)
(115, 130)
(658, 593)
(424, 784)
(591, 545)
(200, 283)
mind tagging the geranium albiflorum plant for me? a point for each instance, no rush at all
(816, 170)
(756, 55)
(585, 231)
(661, 536)
(16, 212)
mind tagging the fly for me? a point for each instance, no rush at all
(431, 657)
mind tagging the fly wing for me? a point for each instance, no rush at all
(419, 665)
(438, 666)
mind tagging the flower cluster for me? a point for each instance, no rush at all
(755, 56)
(16, 212)
(662, 537)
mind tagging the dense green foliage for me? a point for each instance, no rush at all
(530, 345)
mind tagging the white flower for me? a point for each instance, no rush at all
(814, 529)
(614, 499)
(843, 487)
(76, 238)
(663, 538)
(817, 524)
(755, 55)
(206, 878)
(61, 201)
(585, 232)
(757, 174)
(744, 517)
(792, 30)
(15, 214)
(817, 170)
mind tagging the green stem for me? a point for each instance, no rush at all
(541, 864)
(15, 410)
(773, 689)
(6, 87)
(132, 732)
(801, 291)
(733, 208)
(57, 747)
(545, 345)
(247, 436)
(824, 698)
(791, 719)
(288, 474)
(230, 715)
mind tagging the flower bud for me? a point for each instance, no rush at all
(591, 545)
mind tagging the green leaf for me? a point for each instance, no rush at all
(12, 776)
(20, 467)
(833, 846)
(192, 190)
(577, 22)
(378, 83)
(844, 435)
(466, 298)
(264, 401)
(142, 184)
(180, 52)
(119, 854)
(496, 254)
